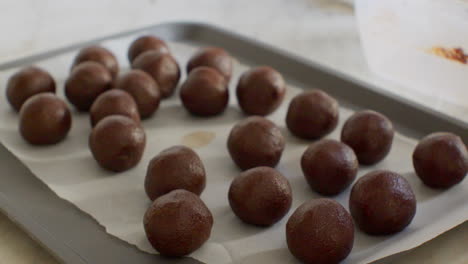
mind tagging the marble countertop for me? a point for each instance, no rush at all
(320, 30)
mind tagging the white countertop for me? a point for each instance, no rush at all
(320, 30)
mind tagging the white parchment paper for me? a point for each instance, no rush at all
(118, 201)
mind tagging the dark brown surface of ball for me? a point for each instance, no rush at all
(369, 134)
(320, 231)
(382, 203)
(86, 82)
(100, 55)
(205, 92)
(162, 67)
(44, 119)
(213, 57)
(117, 143)
(144, 90)
(312, 115)
(260, 91)
(177, 167)
(177, 223)
(26, 83)
(329, 166)
(441, 160)
(114, 102)
(255, 141)
(146, 43)
(260, 196)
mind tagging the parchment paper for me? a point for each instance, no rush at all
(118, 201)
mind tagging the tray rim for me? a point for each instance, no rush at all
(19, 217)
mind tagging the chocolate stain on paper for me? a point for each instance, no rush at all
(198, 139)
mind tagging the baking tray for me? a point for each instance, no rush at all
(74, 237)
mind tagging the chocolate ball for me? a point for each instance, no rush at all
(26, 83)
(255, 141)
(441, 160)
(369, 134)
(177, 167)
(114, 102)
(320, 231)
(145, 43)
(260, 91)
(162, 67)
(100, 55)
(86, 82)
(329, 166)
(144, 90)
(177, 223)
(117, 143)
(213, 57)
(260, 196)
(382, 203)
(205, 92)
(312, 115)
(44, 119)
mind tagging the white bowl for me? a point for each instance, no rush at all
(403, 41)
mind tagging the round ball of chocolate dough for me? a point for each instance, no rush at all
(312, 114)
(117, 143)
(145, 43)
(86, 82)
(320, 231)
(114, 102)
(177, 167)
(143, 89)
(26, 83)
(441, 160)
(260, 91)
(382, 203)
(213, 57)
(162, 67)
(329, 166)
(255, 141)
(260, 196)
(205, 92)
(44, 119)
(100, 55)
(369, 134)
(177, 223)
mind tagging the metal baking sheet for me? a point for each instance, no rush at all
(75, 237)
